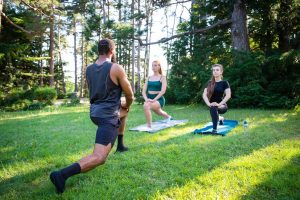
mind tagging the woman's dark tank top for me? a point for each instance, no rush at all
(105, 95)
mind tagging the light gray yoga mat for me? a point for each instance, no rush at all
(159, 125)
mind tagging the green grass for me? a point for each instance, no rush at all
(261, 163)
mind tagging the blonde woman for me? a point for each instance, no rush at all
(213, 95)
(153, 91)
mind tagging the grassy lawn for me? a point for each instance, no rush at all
(261, 163)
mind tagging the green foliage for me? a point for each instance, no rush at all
(21, 52)
(21, 104)
(36, 106)
(267, 77)
(13, 97)
(29, 94)
(46, 95)
(139, 99)
(75, 100)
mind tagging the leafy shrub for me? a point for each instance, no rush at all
(36, 106)
(61, 95)
(46, 95)
(74, 101)
(13, 97)
(21, 104)
(139, 98)
(29, 94)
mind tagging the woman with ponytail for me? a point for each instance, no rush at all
(153, 91)
(213, 96)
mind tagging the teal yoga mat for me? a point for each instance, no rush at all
(221, 129)
(158, 125)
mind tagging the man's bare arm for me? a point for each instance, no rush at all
(122, 80)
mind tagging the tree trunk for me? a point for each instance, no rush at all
(82, 65)
(119, 46)
(283, 25)
(41, 54)
(60, 61)
(133, 50)
(149, 49)
(42, 75)
(51, 48)
(239, 32)
(1, 9)
(139, 52)
(167, 44)
(75, 55)
(104, 12)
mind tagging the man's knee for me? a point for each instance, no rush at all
(99, 158)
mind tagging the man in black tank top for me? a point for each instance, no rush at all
(106, 81)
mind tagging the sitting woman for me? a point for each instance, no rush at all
(213, 96)
(153, 91)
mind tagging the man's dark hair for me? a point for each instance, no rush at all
(104, 46)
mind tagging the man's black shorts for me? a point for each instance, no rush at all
(107, 130)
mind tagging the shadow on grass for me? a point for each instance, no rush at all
(272, 188)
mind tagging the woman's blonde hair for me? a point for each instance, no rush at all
(212, 82)
(158, 62)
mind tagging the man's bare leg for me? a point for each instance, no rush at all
(98, 157)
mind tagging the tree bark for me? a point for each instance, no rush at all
(60, 61)
(133, 50)
(239, 32)
(119, 45)
(1, 9)
(82, 65)
(283, 25)
(139, 52)
(75, 56)
(51, 48)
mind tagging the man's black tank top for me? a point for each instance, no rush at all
(104, 93)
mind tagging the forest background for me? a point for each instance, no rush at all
(258, 42)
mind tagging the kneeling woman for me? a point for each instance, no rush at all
(213, 95)
(153, 91)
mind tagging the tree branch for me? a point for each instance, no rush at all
(167, 5)
(202, 30)
(35, 9)
(15, 25)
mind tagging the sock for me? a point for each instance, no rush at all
(121, 146)
(70, 171)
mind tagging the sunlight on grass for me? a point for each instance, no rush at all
(20, 168)
(6, 149)
(239, 177)
(45, 112)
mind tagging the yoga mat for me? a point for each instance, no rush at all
(221, 129)
(158, 125)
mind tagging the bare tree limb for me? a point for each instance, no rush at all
(202, 30)
(177, 2)
(15, 25)
(35, 9)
